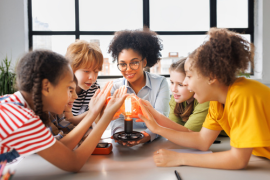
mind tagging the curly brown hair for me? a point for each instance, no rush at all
(32, 69)
(144, 42)
(180, 110)
(224, 56)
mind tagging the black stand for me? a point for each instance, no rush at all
(128, 134)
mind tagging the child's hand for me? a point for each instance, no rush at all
(98, 100)
(148, 119)
(150, 108)
(117, 100)
(167, 158)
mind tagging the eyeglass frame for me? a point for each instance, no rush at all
(129, 65)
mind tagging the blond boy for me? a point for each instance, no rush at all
(86, 61)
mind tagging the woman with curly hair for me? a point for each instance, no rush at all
(238, 106)
(133, 51)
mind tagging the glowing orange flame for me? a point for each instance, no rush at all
(128, 106)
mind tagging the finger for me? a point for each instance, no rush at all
(144, 110)
(105, 87)
(142, 117)
(108, 88)
(123, 91)
(115, 93)
(120, 91)
(145, 102)
(96, 93)
(139, 120)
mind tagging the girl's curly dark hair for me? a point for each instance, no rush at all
(144, 42)
(224, 56)
(32, 69)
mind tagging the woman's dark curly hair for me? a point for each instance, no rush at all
(144, 42)
(32, 69)
(224, 56)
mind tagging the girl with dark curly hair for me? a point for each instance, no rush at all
(44, 79)
(238, 106)
(133, 51)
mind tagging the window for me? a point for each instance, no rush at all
(180, 24)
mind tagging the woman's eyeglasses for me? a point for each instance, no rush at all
(134, 65)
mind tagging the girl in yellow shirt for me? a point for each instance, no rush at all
(238, 105)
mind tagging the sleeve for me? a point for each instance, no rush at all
(161, 104)
(249, 121)
(211, 118)
(196, 119)
(163, 98)
(172, 116)
(36, 139)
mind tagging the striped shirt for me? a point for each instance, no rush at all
(20, 128)
(80, 105)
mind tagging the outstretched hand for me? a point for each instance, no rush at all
(150, 109)
(117, 100)
(148, 119)
(98, 100)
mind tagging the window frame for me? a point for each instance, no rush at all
(146, 23)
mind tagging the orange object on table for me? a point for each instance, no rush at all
(135, 107)
(103, 150)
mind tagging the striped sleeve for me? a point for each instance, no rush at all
(22, 130)
(80, 105)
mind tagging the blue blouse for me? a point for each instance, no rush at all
(156, 91)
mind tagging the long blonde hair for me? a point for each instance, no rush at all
(180, 110)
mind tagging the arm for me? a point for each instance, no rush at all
(75, 119)
(235, 158)
(161, 119)
(199, 140)
(66, 159)
(69, 160)
(74, 136)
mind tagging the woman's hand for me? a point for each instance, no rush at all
(98, 100)
(166, 158)
(117, 100)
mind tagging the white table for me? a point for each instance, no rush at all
(136, 163)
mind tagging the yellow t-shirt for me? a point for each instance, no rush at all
(245, 117)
